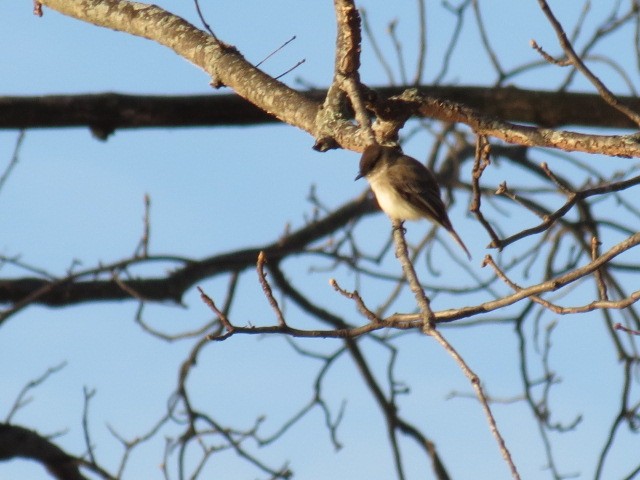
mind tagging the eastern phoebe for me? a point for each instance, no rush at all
(404, 187)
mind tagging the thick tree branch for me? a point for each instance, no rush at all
(221, 61)
(228, 67)
(73, 289)
(113, 111)
(19, 442)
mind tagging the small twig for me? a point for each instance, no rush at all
(595, 305)
(598, 274)
(275, 51)
(564, 62)
(204, 22)
(88, 394)
(453, 41)
(562, 186)
(223, 318)
(485, 40)
(21, 399)
(266, 288)
(422, 48)
(619, 326)
(428, 327)
(351, 86)
(130, 445)
(573, 198)
(300, 62)
(482, 398)
(481, 162)
(143, 247)
(37, 8)
(14, 158)
(376, 48)
(397, 45)
(355, 296)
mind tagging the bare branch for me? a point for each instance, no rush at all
(605, 93)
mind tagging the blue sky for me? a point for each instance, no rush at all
(72, 197)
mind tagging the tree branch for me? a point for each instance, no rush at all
(113, 111)
(19, 442)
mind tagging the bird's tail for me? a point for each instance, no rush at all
(459, 241)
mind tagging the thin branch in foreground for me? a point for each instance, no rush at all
(355, 296)
(221, 316)
(266, 288)
(595, 305)
(402, 254)
(477, 386)
(481, 162)
(428, 327)
(564, 62)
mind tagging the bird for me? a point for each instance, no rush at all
(405, 188)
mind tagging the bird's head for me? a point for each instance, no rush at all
(372, 158)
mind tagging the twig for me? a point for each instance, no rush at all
(573, 198)
(88, 395)
(142, 250)
(428, 327)
(275, 51)
(397, 45)
(376, 48)
(402, 254)
(481, 161)
(565, 62)
(599, 273)
(605, 93)
(453, 41)
(422, 45)
(289, 70)
(37, 8)
(21, 399)
(355, 296)
(221, 316)
(477, 386)
(266, 288)
(595, 305)
(14, 159)
(619, 326)
(485, 41)
(204, 22)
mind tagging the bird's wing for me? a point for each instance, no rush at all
(422, 191)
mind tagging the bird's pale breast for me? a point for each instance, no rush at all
(389, 200)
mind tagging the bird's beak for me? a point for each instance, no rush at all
(358, 177)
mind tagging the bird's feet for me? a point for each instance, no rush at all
(399, 225)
